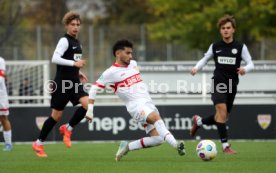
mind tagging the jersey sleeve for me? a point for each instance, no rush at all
(103, 80)
(209, 54)
(2, 67)
(133, 62)
(62, 46)
(100, 83)
(247, 58)
(2, 64)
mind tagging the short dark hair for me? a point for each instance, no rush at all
(121, 45)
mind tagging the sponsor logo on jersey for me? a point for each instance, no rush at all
(74, 47)
(226, 60)
(129, 81)
(218, 51)
(39, 121)
(77, 56)
(234, 51)
(264, 120)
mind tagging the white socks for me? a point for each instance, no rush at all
(164, 133)
(39, 142)
(199, 121)
(70, 128)
(145, 142)
(7, 137)
(225, 144)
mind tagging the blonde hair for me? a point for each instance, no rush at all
(69, 16)
(227, 18)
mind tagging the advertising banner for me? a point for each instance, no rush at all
(114, 123)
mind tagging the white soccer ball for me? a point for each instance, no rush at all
(206, 150)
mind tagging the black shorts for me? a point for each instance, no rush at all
(61, 95)
(226, 97)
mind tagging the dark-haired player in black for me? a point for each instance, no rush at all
(67, 84)
(227, 54)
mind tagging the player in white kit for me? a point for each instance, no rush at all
(124, 78)
(4, 108)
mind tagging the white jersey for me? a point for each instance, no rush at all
(2, 76)
(4, 104)
(126, 82)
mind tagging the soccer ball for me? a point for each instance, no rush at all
(206, 150)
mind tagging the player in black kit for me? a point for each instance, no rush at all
(67, 84)
(227, 54)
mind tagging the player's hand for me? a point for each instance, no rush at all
(89, 113)
(80, 63)
(89, 116)
(194, 71)
(241, 71)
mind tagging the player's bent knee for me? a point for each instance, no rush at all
(153, 117)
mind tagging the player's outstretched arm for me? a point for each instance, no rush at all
(92, 95)
(199, 65)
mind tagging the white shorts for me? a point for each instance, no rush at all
(4, 106)
(141, 112)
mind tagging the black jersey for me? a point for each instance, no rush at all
(227, 57)
(73, 52)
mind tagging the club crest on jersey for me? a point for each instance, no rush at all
(234, 51)
(39, 121)
(264, 120)
(77, 56)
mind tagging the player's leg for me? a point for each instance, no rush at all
(49, 124)
(58, 102)
(4, 113)
(66, 129)
(46, 129)
(198, 121)
(230, 100)
(7, 133)
(153, 140)
(221, 118)
(79, 113)
(155, 119)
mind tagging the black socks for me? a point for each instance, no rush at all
(222, 132)
(77, 117)
(209, 120)
(47, 127)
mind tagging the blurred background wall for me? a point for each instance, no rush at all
(161, 30)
